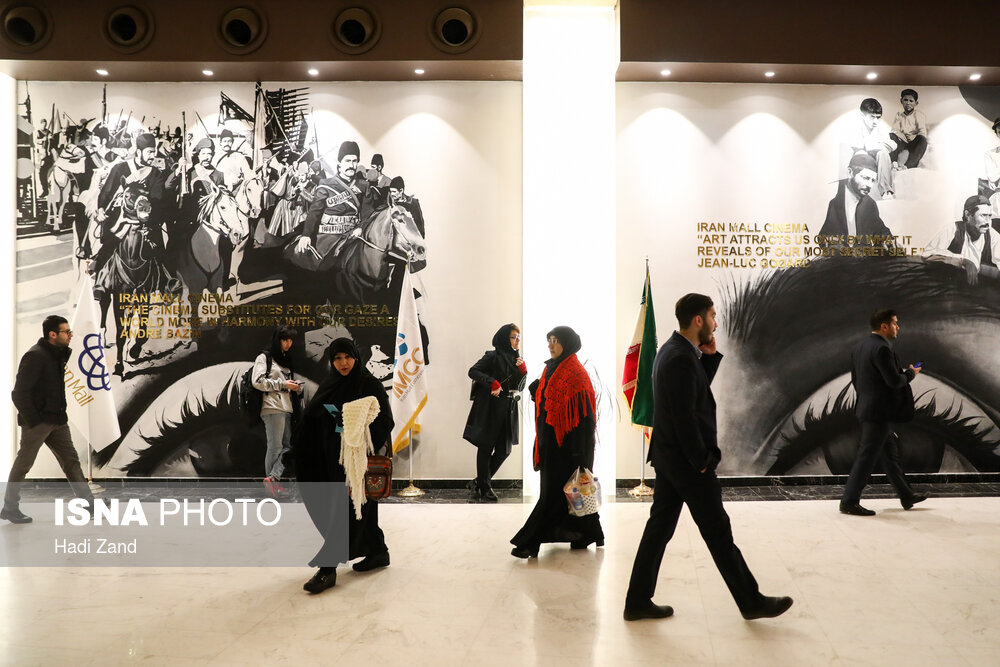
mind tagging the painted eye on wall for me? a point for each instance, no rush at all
(785, 402)
(946, 434)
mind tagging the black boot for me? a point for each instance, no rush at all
(372, 562)
(486, 492)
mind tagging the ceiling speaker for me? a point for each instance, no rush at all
(242, 30)
(128, 29)
(355, 30)
(26, 27)
(454, 30)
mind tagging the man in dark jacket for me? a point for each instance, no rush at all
(883, 397)
(40, 398)
(684, 451)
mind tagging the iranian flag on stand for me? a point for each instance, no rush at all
(637, 380)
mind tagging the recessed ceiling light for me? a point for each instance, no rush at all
(313, 72)
(102, 72)
(207, 72)
(975, 77)
(871, 76)
(664, 72)
(768, 74)
(418, 71)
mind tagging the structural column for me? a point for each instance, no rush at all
(570, 59)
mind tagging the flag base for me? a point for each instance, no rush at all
(410, 492)
(641, 490)
(95, 488)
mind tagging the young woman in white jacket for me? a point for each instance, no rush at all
(281, 393)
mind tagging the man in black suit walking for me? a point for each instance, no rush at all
(684, 451)
(883, 397)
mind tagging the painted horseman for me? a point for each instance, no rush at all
(340, 205)
(234, 165)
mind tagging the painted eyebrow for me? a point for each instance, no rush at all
(783, 307)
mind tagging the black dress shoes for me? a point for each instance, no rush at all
(908, 504)
(856, 510)
(372, 562)
(325, 577)
(16, 516)
(524, 552)
(770, 608)
(584, 543)
(649, 610)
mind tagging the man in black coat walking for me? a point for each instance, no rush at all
(40, 398)
(684, 451)
(883, 397)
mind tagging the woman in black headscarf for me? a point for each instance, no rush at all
(316, 448)
(565, 421)
(493, 420)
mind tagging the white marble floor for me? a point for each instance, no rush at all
(902, 588)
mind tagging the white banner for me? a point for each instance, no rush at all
(89, 402)
(409, 387)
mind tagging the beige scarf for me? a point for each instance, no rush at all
(356, 445)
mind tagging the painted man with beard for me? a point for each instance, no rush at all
(852, 212)
(971, 243)
(233, 164)
(339, 205)
(684, 451)
(140, 170)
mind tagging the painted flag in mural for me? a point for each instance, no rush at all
(409, 386)
(637, 380)
(89, 402)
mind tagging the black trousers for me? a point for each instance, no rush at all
(57, 437)
(878, 445)
(489, 459)
(916, 148)
(676, 486)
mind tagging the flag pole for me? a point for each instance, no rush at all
(642, 490)
(411, 491)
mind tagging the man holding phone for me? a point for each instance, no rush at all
(884, 397)
(684, 451)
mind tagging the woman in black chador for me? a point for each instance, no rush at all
(493, 421)
(316, 447)
(564, 425)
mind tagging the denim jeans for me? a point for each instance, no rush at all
(278, 427)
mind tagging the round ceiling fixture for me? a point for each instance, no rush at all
(128, 29)
(454, 30)
(242, 30)
(26, 28)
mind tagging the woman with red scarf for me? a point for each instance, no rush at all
(565, 422)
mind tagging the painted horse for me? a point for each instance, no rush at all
(199, 258)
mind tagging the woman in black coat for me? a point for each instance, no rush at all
(316, 446)
(565, 422)
(493, 420)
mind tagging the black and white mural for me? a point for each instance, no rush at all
(207, 218)
(800, 210)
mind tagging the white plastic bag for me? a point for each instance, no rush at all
(583, 493)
